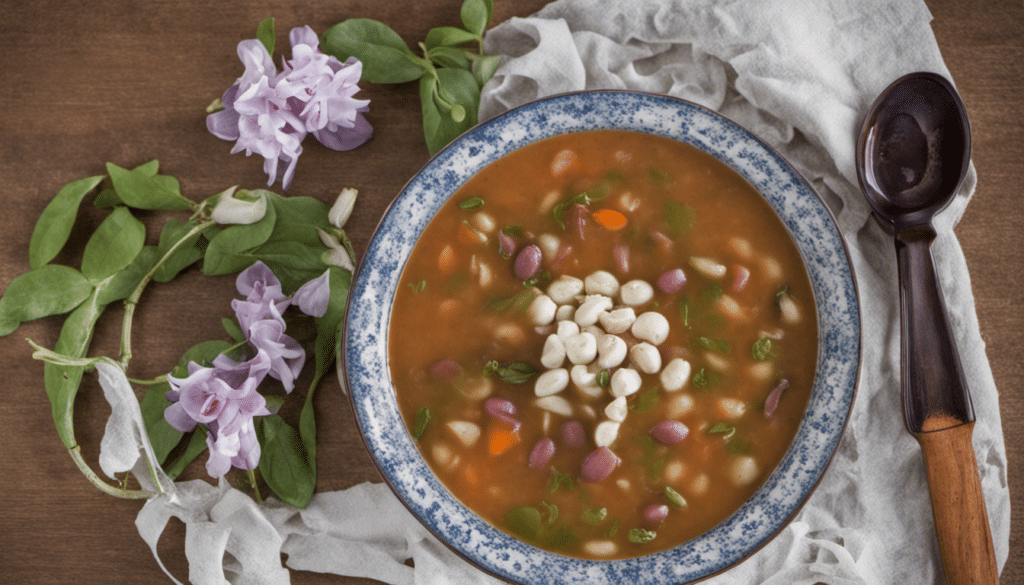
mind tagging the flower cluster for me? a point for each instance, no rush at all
(270, 112)
(223, 397)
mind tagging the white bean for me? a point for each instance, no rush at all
(483, 221)
(645, 357)
(771, 269)
(680, 405)
(617, 409)
(629, 202)
(606, 432)
(731, 408)
(651, 326)
(551, 382)
(675, 375)
(585, 381)
(567, 329)
(618, 320)
(562, 162)
(591, 309)
(564, 313)
(548, 244)
(700, 484)
(790, 310)
(466, 432)
(486, 275)
(674, 471)
(476, 388)
(707, 266)
(564, 289)
(553, 354)
(443, 455)
(743, 470)
(509, 333)
(635, 293)
(742, 247)
(717, 362)
(732, 309)
(555, 404)
(762, 371)
(601, 282)
(581, 349)
(625, 381)
(600, 548)
(611, 350)
(542, 310)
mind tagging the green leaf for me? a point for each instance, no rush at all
(559, 210)
(233, 329)
(184, 256)
(284, 464)
(552, 511)
(449, 57)
(680, 219)
(202, 353)
(645, 400)
(641, 536)
(141, 191)
(297, 219)
(265, 34)
(108, 199)
(51, 289)
(440, 98)
(293, 263)
(512, 372)
(483, 68)
(448, 36)
(594, 517)
(54, 226)
(162, 435)
(713, 345)
(724, 429)
(476, 14)
(559, 480)
(422, 420)
(674, 499)
(225, 254)
(114, 245)
(196, 446)
(123, 283)
(62, 382)
(524, 522)
(684, 311)
(763, 349)
(384, 55)
(328, 327)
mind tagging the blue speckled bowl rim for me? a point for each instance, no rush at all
(727, 544)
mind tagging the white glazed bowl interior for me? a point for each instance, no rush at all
(812, 228)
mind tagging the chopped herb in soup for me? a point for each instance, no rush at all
(604, 343)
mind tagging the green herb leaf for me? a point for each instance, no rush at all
(449, 57)
(701, 379)
(284, 463)
(162, 435)
(448, 36)
(472, 203)
(196, 446)
(476, 14)
(418, 287)
(483, 68)
(641, 536)
(603, 378)
(724, 429)
(714, 345)
(645, 400)
(680, 219)
(673, 498)
(614, 529)
(233, 329)
(54, 226)
(51, 289)
(594, 517)
(121, 284)
(141, 191)
(524, 522)
(512, 372)
(560, 480)
(542, 280)
(449, 101)
(185, 255)
(265, 34)
(684, 310)
(62, 382)
(559, 210)
(552, 511)
(515, 303)
(114, 245)
(420, 425)
(763, 349)
(384, 55)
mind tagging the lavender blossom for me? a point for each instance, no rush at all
(270, 113)
(240, 449)
(314, 296)
(264, 298)
(286, 355)
(206, 397)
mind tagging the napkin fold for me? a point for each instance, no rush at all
(800, 74)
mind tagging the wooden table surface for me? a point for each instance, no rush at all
(93, 81)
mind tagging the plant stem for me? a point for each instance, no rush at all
(153, 382)
(132, 301)
(255, 489)
(76, 455)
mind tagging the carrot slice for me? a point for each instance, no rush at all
(501, 437)
(469, 236)
(610, 219)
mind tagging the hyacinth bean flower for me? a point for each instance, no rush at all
(336, 254)
(264, 298)
(240, 449)
(270, 113)
(206, 397)
(342, 208)
(286, 355)
(247, 208)
(313, 297)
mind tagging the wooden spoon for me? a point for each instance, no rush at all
(912, 155)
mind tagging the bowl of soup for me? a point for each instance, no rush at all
(604, 337)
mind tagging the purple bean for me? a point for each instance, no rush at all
(445, 370)
(772, 402)
(655, 514)
(506, 244)
(739, 282)
(573, 435)
(502, 409)
(542, 453)
(621, 253)
(670, 431)
(527, 262)
(672, 281)
(599, 465)
(575, 219)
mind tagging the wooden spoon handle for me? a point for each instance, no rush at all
(961, 522)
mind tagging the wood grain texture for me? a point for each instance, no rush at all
(128, 80)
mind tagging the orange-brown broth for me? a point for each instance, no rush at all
(441, 312)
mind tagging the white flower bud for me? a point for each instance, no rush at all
(336, 254)
(342, 208)
(245, 211)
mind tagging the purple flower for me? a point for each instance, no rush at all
(264, 298)
(314, 296)
(240, 449)
(286, 355)
(270, 113)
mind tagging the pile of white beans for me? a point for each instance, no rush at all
(588, 318)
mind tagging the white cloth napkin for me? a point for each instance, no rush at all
(800, 74)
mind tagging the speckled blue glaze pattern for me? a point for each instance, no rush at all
(808, 221)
